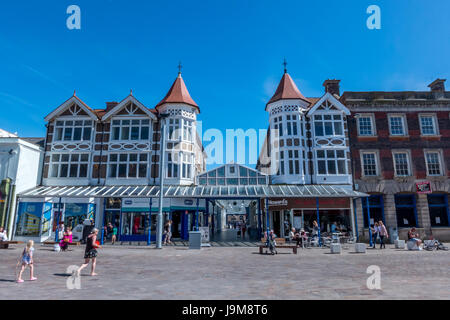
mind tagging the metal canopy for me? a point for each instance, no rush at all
(270, 191)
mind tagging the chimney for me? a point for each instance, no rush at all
(332, 86)
(111, 105)
(437, 85)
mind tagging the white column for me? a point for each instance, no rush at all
(352, 219)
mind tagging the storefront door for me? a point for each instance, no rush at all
(134, 226)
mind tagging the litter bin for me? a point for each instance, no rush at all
(195, 240)
(393, 234)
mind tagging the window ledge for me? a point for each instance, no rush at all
(430, 136)
(395, 137)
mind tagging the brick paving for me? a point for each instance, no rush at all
(140, 272)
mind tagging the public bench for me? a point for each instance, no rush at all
(281, 244)
(5, 244)
(54, 242)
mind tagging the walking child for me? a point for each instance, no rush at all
(90, 252)
(27, 260)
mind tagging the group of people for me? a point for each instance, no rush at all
(379, 231)
(90, 255)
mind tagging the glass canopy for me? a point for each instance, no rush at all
(245, 191)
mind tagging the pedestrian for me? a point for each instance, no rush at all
(114, 235)
(383, 233)
(60, 230)
(375, 231)
(243, 229)
(27, 260)
(90, 252)
(66, 239)
(168, 232)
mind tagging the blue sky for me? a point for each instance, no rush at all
(232, 53)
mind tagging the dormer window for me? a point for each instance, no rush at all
(70, 130)
(328, 125)
(130, 130)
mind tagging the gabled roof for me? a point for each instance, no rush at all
(178, 93)
(331, 98)
(123, 103)
(69, 102)
(287, 90)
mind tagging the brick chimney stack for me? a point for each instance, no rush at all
(437, 85)
(332, 86)
(111, 105)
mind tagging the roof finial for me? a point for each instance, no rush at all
(74, 93)
(131, 92)
(285, 65)
(179, 68)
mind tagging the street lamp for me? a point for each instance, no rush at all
(159, 226)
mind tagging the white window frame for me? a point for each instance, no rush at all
(121, 126)
(64, 126)
(293, 158)
(435, 124)
(408, 160)
(187, 134)
(172, 162)
(371, 116)
(326, 159)
(186, 165)
(377, 162)
(292, 124)
(332, 120)
(127, 163)
(441, 162)
(404, 124)
(69, 163)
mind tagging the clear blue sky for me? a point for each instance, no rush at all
(232, 53)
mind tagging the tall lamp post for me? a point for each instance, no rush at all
(159, 227)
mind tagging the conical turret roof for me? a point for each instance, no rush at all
(178, 93)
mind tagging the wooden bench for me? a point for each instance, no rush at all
(54, 242)
(281, 244)
(5, 244)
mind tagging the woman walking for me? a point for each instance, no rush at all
(90, 252)
(383, 233)
(27, 260)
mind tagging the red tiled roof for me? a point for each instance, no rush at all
(287, 90)
(178, 93)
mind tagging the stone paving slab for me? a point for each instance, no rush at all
(175, 272)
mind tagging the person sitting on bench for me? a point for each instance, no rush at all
(414, 236)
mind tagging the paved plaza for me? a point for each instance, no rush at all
(140, 272)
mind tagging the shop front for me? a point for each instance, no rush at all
(135, 218)
(300, 213)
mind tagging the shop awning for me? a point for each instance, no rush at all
(269, 191)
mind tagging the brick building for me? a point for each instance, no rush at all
(400, 147)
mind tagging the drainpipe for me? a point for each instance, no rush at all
(101, 153)
(45, 152)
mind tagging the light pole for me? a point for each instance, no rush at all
(159, 226)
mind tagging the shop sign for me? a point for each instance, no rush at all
(282, 202)
(423, 187)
